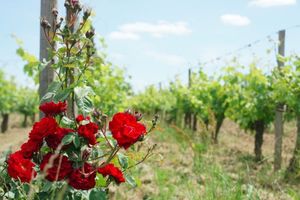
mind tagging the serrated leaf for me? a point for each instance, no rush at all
(97, 194)
(47, 186)
(100, 180)
(68, 139)
(67, 122)
(76, 141)
(84, 103)
(47, 96)
(123, 160)
(130, 180)
(63, 94)
(54, 87)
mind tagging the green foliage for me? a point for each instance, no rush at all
(205, 95)
(8, 97)
(27, 101)
(110, 86)
(152, 100)
(32, 64)
(249, 97)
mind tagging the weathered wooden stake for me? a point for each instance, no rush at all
(279, 110)
(47, 74)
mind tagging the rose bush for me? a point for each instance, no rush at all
(71, 155)
(73, 152)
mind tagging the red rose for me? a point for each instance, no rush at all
(60, 169)
(30, 147)
(74, 2)
(42, 129)
(125, 129)
(89, 132)
(111, 170)
(20, 167)
(51, 109)
(80, 118)
(83, 178)
(54, 139)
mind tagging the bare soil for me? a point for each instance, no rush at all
(233, 154)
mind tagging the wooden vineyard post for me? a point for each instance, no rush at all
(190, 78)
(279, 110)
(47, 74)
(71, 22)
(160, 86)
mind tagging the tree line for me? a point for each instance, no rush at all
(244, 94)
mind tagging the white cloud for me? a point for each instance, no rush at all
(269, 3)
(118, 35)
(159, 29)
(235, 20)
(169, 59)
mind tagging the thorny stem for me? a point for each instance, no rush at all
(99, 157)
(47, 37)
(85, 67)
(148, 154)
(107, 141)
(4, 185)
(58, 168)
(112, 155)
(79, 52)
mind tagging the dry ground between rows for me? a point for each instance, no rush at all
(234, 146)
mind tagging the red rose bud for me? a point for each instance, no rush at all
(154, 120)
(141, 138)
(67, 4)
(74, 2)
(87, 13)
(129, 111)
(44, 23)
(54, 12)
(85, 154)
(96, 114)
(81, 118)
(138, 116)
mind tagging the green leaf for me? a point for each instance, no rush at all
(47, 96)
(130, 180)
(47, 186)
(100, 180)
(97, 194)
(10, 195)
(68, 139)
(63, 94)
(54, 87)
(83, 101)
(76, 141)
(123, 160)
(67, 122)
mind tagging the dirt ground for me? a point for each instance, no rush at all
(13, 138)
(233, 146)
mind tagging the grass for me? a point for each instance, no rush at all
(188, 167)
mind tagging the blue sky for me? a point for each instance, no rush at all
(155, 40)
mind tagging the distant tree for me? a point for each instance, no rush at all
(28, 102)
(8, 99)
